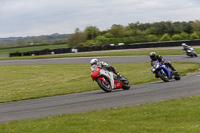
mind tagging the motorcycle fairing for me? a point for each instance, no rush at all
(102, 78)
(162, 68)
(95, 73)
(109, 75)
(118, 84)
(167, 70)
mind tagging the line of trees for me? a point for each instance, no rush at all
(34, 40)
(136, 32)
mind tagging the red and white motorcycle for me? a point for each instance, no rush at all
(107, 81)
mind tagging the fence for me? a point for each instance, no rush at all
(107, 47)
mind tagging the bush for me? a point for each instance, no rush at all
(108, 35)
(82, 44)
(176, 37)
(128, 40)
(165, 37)
(100, 40)
(184, 36)
(152, 38)
(194, 36)
(90, 43)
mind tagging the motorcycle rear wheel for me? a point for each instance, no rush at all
(163, 77)
(104, 85)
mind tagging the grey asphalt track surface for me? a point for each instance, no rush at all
(82, 60)
(94, 100)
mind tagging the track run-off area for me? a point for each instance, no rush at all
(95, 100)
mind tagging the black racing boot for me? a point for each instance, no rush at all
(173, 69)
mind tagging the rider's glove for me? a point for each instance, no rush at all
(119, 75)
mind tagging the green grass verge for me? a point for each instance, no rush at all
(170, 116)
(20, 82)
(4, 53)
(106, 53)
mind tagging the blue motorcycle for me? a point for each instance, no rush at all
(164, 72)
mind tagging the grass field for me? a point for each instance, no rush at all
(108, 53)
(4, 53)
(170, 116)
(20, 82)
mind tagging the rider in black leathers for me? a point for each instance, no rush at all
(155, 57)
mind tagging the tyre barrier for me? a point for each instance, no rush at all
(15, 54)
(107, 47)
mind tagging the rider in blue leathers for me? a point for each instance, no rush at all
(155, 57)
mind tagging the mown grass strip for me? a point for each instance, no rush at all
(19, 82)
(170, 116)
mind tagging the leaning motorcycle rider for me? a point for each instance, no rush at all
(155, 57)
(185, 47)
(94, 63)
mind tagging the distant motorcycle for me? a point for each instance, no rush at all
(107, 81)
(190, 52)
(164, 72)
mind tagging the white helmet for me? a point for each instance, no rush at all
(183, 44)
(93, 61)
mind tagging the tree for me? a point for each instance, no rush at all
(196, 25)
(163, 27)
(91, 32)
(187, 27)
(100, 40)
(177, 27)
(134, 25)
(76, 38)
(108, 35)
(117, 30)
(151, 30)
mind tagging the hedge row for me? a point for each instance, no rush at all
(106, 47)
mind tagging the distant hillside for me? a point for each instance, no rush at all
(16, 41)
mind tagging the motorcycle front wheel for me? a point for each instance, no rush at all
(104, 85)
(125, 84)
(177, 76)
(163, 76)
(195, 55)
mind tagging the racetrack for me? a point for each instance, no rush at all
(87, 101)
(82, 60)
(94, 100)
